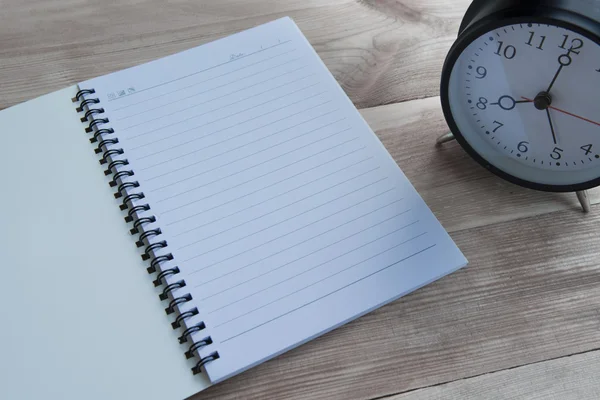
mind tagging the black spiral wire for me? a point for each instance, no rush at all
(137, 215)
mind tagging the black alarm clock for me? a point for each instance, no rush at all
(520, 91)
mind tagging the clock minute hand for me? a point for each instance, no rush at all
(568, 113)
(564, 60)
(555, 78)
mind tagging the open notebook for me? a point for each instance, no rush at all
(264, 208)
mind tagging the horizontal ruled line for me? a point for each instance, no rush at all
(291, 247)
(228, 127)
(319, 281)
(253, 95)
(274, 197)
(217, 109)
(328, 294)
(306, 255)
(243, 158)
(270, 186)
(297, 229)
(239, 147)
(201, 71)
(303, 272)
(195, 84)
(253, 179)
(243, 133)
(289, 218)
(312, 223)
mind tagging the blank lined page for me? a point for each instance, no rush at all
(284, 212)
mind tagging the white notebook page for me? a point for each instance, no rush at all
(284, 212)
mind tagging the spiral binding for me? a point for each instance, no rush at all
(122, 179)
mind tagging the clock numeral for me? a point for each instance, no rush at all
(587, 148)
(481, 72)
(523, 147)
(576, 44)
(500, 125)
(509, 51)
(530, 42)
(482, 105)
(557, 153)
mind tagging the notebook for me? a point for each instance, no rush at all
(174, 224)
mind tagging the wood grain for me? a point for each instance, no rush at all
(381, 51)
(567, 378)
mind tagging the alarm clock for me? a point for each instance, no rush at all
(520, 91)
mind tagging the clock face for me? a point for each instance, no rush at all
(526, 98)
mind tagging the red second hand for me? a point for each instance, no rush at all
(568, 113)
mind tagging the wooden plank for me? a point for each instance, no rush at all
(460, 192)
(568, 378)
(529, 294)
(381, 51)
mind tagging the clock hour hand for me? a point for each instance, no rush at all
(507, 103)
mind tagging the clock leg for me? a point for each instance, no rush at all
(582, 195)
(584, 200)
(447, 137)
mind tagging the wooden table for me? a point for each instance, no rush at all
(521, 322)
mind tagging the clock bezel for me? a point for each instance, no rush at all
(562, 18)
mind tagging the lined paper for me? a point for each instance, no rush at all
(283, 211)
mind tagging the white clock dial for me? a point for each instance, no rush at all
(527, 98)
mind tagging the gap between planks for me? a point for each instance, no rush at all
(542, 380)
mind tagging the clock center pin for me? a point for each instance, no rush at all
(542, 101)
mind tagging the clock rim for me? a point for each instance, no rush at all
(562, 18)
